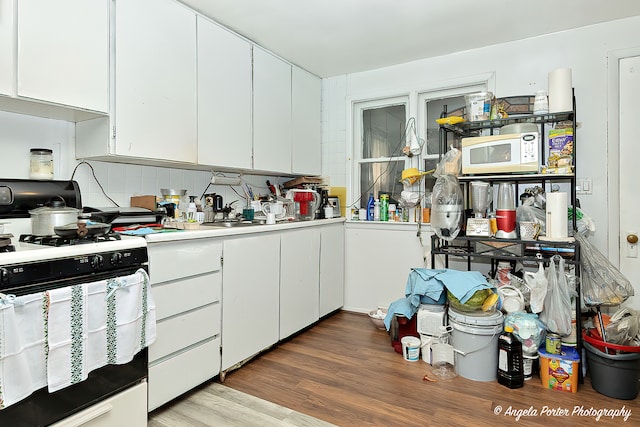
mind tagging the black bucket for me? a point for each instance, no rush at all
(614, 375)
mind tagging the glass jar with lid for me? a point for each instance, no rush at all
(41, 163)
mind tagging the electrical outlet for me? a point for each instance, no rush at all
(584, 186)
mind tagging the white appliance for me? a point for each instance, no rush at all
(430, 319)
(508, 153)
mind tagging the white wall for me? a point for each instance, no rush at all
(519, 68)
(19, 133)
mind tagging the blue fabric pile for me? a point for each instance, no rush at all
(430, 284)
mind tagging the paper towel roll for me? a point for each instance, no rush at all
(560, 90)
(557, 220)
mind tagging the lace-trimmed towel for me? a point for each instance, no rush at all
(22, 346)
(99, 323)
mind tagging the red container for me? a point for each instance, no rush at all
(402, 327)
(506, 219)
(607, 347)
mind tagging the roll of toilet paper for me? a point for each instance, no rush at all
(557, 219)
(560, 90)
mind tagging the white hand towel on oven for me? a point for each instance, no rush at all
(22, 347)
(67, 336)
(131, 317)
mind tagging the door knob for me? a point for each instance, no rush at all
(632, 238)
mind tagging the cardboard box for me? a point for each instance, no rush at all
(147, 202)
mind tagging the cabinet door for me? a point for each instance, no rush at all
(63, 54)
(305, 112)
(250, 281)
(299, 281)
(7, 43)
(331, 268)
(224, 97)
(271, 113)
(155, 78)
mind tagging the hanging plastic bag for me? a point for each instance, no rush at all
(602, 282)
(450, 164)
(557, 303)
(585, 225)
(446, 207)
(538, 284)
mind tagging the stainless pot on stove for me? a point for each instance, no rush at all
(56, 214)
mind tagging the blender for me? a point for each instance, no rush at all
(506, 212)
(481, 196)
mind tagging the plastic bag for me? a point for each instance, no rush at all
(527, 212)
(538, 284)
(602, 282)
(585, 225)
(623, 328)
(557, 303)
(528, 329)
(446, 207)
(450, 164)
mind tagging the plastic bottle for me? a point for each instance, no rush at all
(370, 207)
(376, 210)
(510, 372)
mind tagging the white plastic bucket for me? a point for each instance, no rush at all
(475, 340)
(410, 348)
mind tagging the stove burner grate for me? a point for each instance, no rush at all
(67, 241)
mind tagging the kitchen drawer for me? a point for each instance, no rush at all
(183, 258)
(175, 297)
(184, 330)
(179, 374)
(127, 408)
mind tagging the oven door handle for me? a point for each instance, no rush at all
(87, 415)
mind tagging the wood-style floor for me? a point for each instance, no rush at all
(344, 372)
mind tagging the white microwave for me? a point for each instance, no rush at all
(510, 153)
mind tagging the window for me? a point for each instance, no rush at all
(380, 131)
(431, 105)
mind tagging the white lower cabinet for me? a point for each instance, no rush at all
(299, 281)
(331, 268)
(251, 278)
(186, 284)
(127, 408)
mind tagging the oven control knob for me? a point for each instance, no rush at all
(116, 258)
(4, 275)
(96, 261)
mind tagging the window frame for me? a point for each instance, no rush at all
(357, 140)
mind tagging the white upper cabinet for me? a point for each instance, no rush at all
(155, 79)
(7, 42)
(224, 97)
(305, 110)
(271, 113)
(63, 51)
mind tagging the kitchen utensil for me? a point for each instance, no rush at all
(481, 196)
(271, 217)
(82, 229)
(308, 200)
(56, 213)
(171, 195)
(506, 212)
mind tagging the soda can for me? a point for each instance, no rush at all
(384, 207)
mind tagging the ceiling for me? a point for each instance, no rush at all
(333, 37)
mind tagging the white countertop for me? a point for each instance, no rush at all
(215, 231)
